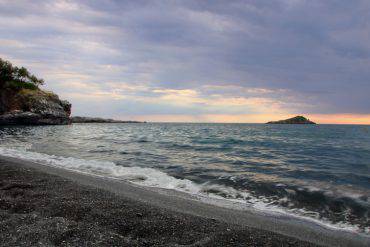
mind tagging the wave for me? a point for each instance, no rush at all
(154, 178)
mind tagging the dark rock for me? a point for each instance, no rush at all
(30, 118)
(294, 120)
(33, 107)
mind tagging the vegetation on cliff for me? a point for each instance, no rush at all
(293, 120)
(15, 78)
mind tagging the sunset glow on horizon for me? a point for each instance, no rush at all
(319, 119)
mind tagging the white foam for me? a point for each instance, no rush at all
(155, 178)
(138, 175)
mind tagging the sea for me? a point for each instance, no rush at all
(316, 172)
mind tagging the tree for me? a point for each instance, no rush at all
(17, 77)
(22, 74)
(6, 70)
(36, 80)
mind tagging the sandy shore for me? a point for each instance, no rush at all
(47, 206)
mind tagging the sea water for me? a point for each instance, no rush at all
(319, 172)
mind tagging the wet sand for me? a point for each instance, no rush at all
(47, 206)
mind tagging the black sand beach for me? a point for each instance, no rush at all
(38, 208)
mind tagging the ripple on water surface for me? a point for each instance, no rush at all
(321, 171)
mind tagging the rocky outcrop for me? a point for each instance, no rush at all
(98, 120)
(33, 107)
(294, 120)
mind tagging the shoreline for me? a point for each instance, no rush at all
(241, 224)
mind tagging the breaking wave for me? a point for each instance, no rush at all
(154, 178)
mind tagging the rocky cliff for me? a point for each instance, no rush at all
(293, 120)
(32, 107)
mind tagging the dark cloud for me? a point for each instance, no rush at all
(317, 53)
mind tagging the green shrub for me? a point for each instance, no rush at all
(17, 85)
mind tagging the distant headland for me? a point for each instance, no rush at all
(78, 119)
(293, 120)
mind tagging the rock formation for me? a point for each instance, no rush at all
(32, 107)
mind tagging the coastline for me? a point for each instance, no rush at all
(153, 216)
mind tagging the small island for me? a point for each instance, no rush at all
(293, 120)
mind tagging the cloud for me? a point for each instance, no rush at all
(192, 58)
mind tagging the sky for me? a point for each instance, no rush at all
(197, 61)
